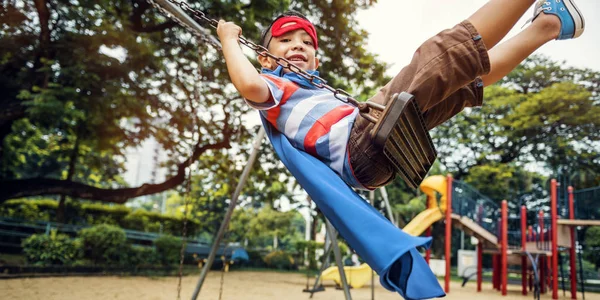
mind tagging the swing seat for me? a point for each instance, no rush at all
(402, 136)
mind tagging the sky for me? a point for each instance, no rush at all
(397, 27)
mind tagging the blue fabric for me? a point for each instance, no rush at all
(388, 250)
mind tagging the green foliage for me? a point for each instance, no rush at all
(592, 245)
(88, 105)
(261, 228)
(95, 214)
(104, 244)
(134, 256)
(168, 249)
(280, 260)
(544, 115)
(53, 249)
(309, 247)
(28, 209)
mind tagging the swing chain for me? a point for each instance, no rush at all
(202, 36)
(264, 52)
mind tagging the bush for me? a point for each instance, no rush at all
(104, 244)
(95, 214)
(53, 249)
(29, 209)
(280, 260)
(138, 256)
(168, 249)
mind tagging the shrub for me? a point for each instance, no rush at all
(280, 260)
(168, 249)
(53, 249)
(138, 256)
(104, 243)
(95, 214)
(28, 209)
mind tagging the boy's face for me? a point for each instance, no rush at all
(296, 46)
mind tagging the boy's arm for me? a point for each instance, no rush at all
(243, 74)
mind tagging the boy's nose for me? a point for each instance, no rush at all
(298, 46)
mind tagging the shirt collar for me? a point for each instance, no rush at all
(305, 83)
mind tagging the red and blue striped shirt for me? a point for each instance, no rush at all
(312, 119)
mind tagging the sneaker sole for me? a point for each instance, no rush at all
(577, 17)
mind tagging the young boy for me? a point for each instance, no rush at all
(447, 74)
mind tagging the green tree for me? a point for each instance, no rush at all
(592, 245)
(267, 227)
(83, 81)
(543, 113)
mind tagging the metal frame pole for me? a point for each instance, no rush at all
(524, 267)
(504, 249)
(338, 260)
(554, 237)
(388, 207)
(325, 263)
(573, 250)
(229, 213)
(448, 241)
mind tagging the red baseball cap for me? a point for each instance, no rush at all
(278, 29)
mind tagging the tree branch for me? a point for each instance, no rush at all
(10, 189)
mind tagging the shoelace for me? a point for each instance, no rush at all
(539, 8)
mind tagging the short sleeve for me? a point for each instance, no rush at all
(280, 90)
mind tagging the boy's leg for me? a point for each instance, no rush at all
(470, 95)
(508, 55)
(441, 66)
(552, 20)
(495, 19)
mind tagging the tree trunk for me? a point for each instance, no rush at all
(61, 210)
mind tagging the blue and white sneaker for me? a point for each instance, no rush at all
(571, 19)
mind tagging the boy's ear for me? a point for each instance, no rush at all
(265, 62)
(316, 62)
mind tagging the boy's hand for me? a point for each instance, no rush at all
(228, 31)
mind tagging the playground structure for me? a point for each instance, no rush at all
(534, 247)
(511, 240)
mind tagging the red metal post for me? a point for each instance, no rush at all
(448, 241)
(524, 248)
(504, 248)
(479, 264)
(494, 271)
(543, 258)
(554, 232)
(428, 251)
(572, 252)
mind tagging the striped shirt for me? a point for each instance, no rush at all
(312, 119)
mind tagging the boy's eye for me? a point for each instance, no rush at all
(284, 40)
(308, 43)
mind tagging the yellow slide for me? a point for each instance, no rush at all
(432, 186)
(422, 221)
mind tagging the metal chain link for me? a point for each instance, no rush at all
(260, 50)
(204, 37)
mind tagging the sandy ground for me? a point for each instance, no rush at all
(237, 285)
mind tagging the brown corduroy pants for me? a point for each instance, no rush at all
(444, 78)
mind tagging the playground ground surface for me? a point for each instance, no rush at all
(238, 285)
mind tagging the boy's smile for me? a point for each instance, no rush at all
(296, 46)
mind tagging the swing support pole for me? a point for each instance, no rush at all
(229, 213)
